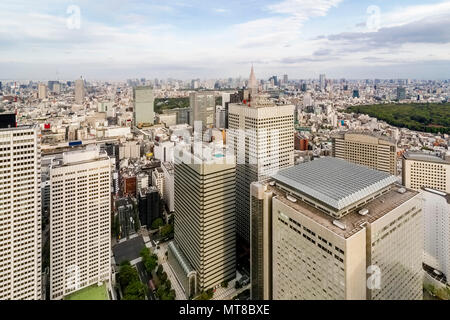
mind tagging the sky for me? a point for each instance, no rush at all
(186, 39)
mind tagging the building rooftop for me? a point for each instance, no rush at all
(367, 133)
(93, 292)
(424, 156)
(353, 221)
(334, 182)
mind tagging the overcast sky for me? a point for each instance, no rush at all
(120, 39)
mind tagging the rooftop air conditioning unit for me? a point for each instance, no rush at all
(364, 212)
(339, 224)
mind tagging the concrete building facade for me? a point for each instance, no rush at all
(262, 137)
(338, 231)
(80, 222)
(20, 213)
(367, 149)
(424, 170)
(205, 229)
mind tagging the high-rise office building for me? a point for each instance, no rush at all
(79, 91)
(262, 136)
(20, 211)
(149, 206)
(252, 83)
(322, 81)
(42, 91)
(366, 148)
(426, 170)
(436, 217)
(144, 113)
(203, 106)
(80, 222)
(331, 229)
(205, 231)
(401, 93)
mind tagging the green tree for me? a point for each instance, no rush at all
(135, 291)
(127, 275)
(157, 223)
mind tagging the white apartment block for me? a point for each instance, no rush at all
(368, 149)
(261, 134)
(424, 170)
(158, 180)
(333, 230)
(20, 214)
(80, 222)
(142, 182)
(436, 212)
(168, 197)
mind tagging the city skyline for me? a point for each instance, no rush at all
(119, 40)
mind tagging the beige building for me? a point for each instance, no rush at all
(203, 108)
(42, 91)
(80, 222)
(330, 229)
(366, 148)
(144, 106)
(79, 91)
(20, 213)
(261, 136)
(426, 170)
(205, 216)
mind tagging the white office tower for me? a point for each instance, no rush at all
(426, 170)
(330, 229)
(163, 151)
(79, 91)
(205, 217)
(80, 222)
(436, 211)
(262, 136)
(143, 111)
(20, 213)
(42, 91)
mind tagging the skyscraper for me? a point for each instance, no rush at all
(252, 83)
(203, 106)
(401, 93)
(262, 137)
(366, 148)
(205, 215)
(42, 91)
(80, 222)
(20, 212)
(79, 91)
(144, 113)
(339, 231)
(426, 170)
(322, 81)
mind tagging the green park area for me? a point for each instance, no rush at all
(434, 118)
(176, 103)
(90, 293)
